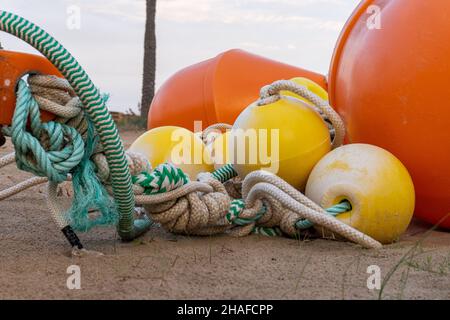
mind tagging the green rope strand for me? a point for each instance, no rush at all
(164, 178)
(95, 108)
(334, 211)
(225, 173)
(65, 145)
(237, 206)
(303, 224)
(89, 193)
(268, 232)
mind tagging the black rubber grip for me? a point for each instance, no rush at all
(72, 237)
(2, 137)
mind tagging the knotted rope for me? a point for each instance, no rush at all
(47, 153)
(51, 149)
(204, 207)
(94, 108)
(56, 150)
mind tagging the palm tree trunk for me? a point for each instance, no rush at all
(148, 83)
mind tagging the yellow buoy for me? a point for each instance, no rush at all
(377, 185)
(175, 145)
(286, 137)
(311, 86)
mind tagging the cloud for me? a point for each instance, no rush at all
(110, 42)
(129, 10)
(247, 12)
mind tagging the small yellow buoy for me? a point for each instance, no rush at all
(311, 86)
(377, 185)
(175, 145)
(286, 137)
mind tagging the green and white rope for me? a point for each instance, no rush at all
(236, 209)
(262, 185)
(334, 211)
(164, 178)
(225, 173)
(95, 108)
(237, 206)
(268, 232)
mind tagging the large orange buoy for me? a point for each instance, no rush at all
(13, 66)
(218, 90)
(389, 79)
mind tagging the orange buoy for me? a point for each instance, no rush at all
(13, 66)
(218, 90)
(389, 78)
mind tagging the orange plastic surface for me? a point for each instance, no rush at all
(391, 87)
(217, 90)
(13, 66)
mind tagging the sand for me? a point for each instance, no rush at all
(34, 258)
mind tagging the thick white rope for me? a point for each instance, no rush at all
(53, 205)
(259, 184)
(55, 95)
(35, 181)
(8, 159)
(9, 192)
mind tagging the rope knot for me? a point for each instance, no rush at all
(236, 208)
(50, 149)
(166, 177)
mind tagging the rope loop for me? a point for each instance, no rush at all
(272, 93)
(210, 134)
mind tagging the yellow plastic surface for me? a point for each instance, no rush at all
(376, 183)
(295, 137)
(174, 145)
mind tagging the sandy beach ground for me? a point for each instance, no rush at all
(34, 258)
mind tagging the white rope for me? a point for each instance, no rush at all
(259, 184)
(4, 194)
(56, 211)
(9, 192)
(55, 95)
(8, 159)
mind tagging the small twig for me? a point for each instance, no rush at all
(302, 271)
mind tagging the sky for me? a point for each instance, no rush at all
(106, 36)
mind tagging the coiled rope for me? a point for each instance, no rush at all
(94, 106)
(51, 149)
